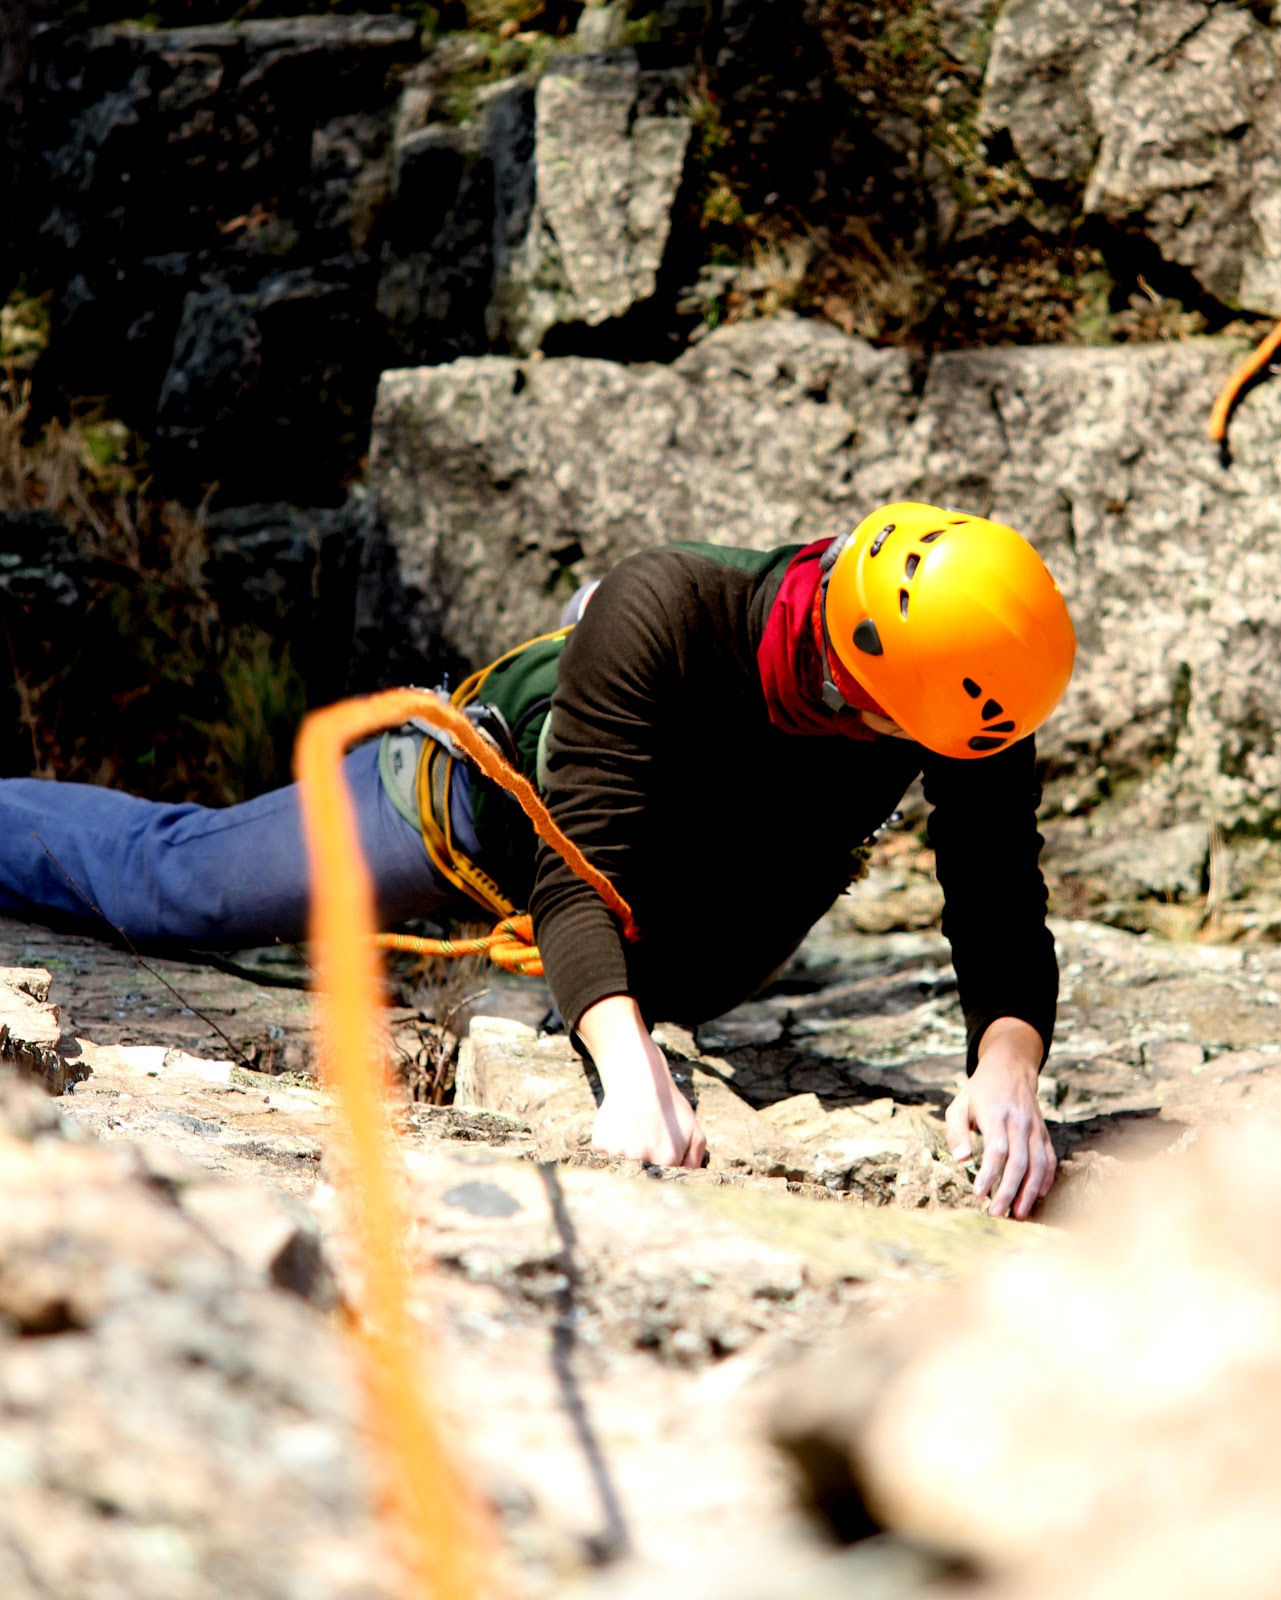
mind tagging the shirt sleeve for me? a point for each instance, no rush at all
(619, 666)
(984, 832)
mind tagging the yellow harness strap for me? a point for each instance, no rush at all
(433, 786)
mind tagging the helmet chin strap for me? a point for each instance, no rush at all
(833, 699)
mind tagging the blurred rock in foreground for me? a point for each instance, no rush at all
(177, 1424)
(1094, 1420)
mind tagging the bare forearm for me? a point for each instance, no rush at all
(1015, 1039)
(615, 1033)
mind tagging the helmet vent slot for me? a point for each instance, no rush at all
(971, 688)
(902, 604)
(929, 538)
(981, 743)
(881, 537)
(993, 708)
(999, 727)
(913, 561)
(867, 639)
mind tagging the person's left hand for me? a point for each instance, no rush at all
(999, 1100)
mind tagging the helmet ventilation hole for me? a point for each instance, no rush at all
(902, 604)
(929, 538)
(913, 561)
(971, 688)
(993, 708)
(881, 537)
(867, 639)
(980, 743)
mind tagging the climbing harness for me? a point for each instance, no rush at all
(511, 943)
(437, 767)
(1249, 372)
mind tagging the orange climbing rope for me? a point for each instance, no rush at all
(510, 946)
(439, 1525)
(1245, 373)
(438, 1517)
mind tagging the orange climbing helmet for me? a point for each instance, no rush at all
(951, 623)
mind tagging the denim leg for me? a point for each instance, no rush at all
(193, 875)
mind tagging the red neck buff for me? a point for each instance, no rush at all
(790, 658)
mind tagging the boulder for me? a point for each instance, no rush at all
(1161, 119)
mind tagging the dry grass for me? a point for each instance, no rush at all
(139, 683)
(874, 289)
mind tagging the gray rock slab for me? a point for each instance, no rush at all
(1166, 862)
(503, 484)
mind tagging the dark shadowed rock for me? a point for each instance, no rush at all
(207, 196)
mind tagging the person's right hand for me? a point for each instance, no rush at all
(643, 1116)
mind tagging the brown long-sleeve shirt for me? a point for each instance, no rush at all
(730, 837)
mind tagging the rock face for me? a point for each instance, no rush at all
(584, 242)
(603, 1327)
(1163, 119)
(503, 484)
(207, 198)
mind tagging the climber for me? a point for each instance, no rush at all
(719, 731)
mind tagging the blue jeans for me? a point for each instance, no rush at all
(189, 875)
